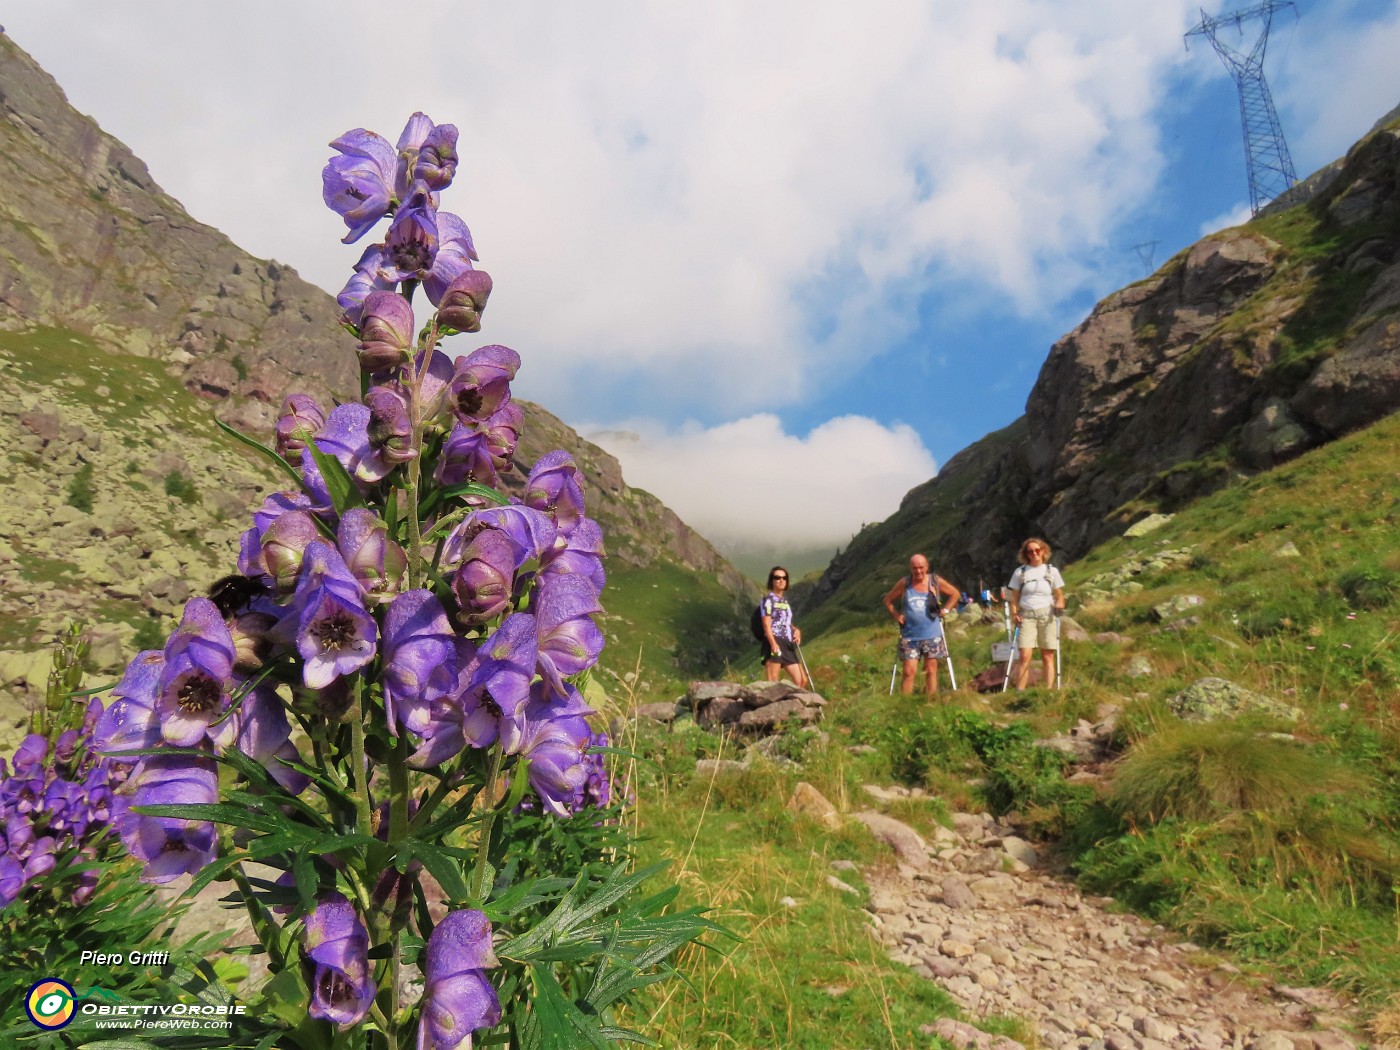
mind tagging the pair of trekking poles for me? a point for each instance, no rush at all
(1015, 637)
(952, 678)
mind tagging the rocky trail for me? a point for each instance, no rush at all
(978, 912)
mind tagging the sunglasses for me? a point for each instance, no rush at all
(1034, 550)
(775, 579)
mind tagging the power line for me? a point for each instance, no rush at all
(1267, 161)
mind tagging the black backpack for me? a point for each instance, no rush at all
(756, 624)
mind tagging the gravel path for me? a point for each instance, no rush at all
(1004, 938)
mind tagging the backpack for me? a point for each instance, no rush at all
(756, 624)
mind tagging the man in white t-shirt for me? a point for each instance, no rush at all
(1037, 597)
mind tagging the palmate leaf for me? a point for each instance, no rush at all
(339, 483)
(574, 910)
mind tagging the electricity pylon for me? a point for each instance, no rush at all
(1147, 251)
(1269, 166)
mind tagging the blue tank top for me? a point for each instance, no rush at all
(919, 626)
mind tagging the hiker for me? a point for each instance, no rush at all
(921, 608)
(1037, 599)
(781, 638)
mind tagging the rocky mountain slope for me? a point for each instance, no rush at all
(126, 326)
(1244, 350)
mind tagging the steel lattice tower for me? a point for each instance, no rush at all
(1269, 166)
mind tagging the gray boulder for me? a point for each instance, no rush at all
(1213, 699)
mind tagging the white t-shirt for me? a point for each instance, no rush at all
(1037, 585)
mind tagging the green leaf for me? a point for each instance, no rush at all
(339, 484)
(444, 863)
(258, 446)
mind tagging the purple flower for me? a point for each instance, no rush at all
(358, 185)
(390, 429)
(431, 396)
(502, 432)
(11, 879)
(369, 276)
(335, 635)
(376, 562)
(569, 640)
(337, 956)
(457, 998)
(264, 735)
(300, 419)
(466, 457)
(455, 255)
(559, 768)
(463, 301)
(581, 555)
(483, 581)
(171, 846)
(30, 755)
(419, 659)
(500, 684)
(531, 532)
(481, 382)
(554, 487)
(412, 243)
(130, 723)
(386, 331)
(194, 681)
(346, 437)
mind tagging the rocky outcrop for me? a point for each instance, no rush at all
(756, 709)
(90, 243)
(1243, 351)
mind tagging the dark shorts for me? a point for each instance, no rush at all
(923, 648)
(787, 653)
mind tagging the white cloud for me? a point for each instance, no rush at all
(750, 484)
(684, 189)
(1236, 216)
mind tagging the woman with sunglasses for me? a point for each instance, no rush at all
(780, 636)
(1037, 599)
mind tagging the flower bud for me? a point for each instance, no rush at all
(502, 433)
(437, 157)
(376, 561)
(483, 582)
(462, 304)
(284, 544)
(386, 331)
(301, 418)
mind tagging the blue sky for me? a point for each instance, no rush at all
(782, 258)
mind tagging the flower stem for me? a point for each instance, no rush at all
(359, 770)
(481, 876)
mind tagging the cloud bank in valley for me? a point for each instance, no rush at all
(748, 483)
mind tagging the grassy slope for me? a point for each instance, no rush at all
(1304, 888)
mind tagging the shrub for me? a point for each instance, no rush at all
(80, 491)
(1369, 587)
(177, 486)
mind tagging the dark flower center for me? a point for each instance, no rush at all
(174, 843)
(334, 632)
(413, 255)
(332, 987)
(470, 401)
(489, 702)
(199, 695)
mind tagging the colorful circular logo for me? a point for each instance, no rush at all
(50, 1003)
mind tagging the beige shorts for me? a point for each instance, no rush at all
(1040, 629)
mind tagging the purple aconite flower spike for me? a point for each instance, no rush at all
(457, 998)
(337, 956)
(358, 184)
(483, 581)
(466, 457)
(390, 429)
(500, 685)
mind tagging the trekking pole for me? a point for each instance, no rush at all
(893, 671)
(1006, 678)
(952, 678)
(803, 661)
(1060, 649)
